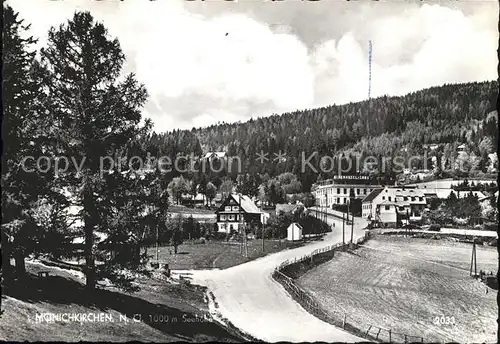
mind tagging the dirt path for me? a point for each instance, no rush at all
(252, 301)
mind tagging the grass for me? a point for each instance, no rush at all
(403, 284)
(217, 254)
(168, 312)
(180, 209)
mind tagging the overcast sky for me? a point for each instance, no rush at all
(282, 56)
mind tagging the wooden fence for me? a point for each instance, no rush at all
(368, 331)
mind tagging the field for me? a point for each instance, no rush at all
(168, 311)
(216, 254)
(403, 284)
(179, 209)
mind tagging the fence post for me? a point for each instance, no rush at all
(406, 341)
(421, 339)
(378, 332)
(344, 321)
(390, 339)
(367, 331)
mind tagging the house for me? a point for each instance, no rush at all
(234, 206)
(367, 204)
(294, 232)
(382, 205)
(286, 208)
(189, 199)
(387, 214)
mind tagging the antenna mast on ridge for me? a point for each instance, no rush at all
(369, 68)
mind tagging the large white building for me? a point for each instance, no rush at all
(389, 206)
(337, 191)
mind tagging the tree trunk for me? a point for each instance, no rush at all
(7, 268)
(175, 249)
(20, 264)
(89, 238)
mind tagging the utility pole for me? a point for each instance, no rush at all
(473, 260)
(262, 227)
(348, 206)
(157, 244)
(262, 234)
(239, 223)
(352, 229)
(244, 248)
(343, 230)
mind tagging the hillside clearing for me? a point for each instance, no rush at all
(403, 284)
(167, 311)
(217, 254)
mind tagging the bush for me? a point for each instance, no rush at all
(202, 241)
(219, 235)
(492, 226)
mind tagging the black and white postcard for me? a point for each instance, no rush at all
(250, 171)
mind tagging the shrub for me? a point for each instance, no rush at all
(202, 241)
(491, 226)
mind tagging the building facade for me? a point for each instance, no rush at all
(237, 211)
(338, 190)
(392, 206)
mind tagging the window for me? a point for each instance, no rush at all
(383, 197)
(357, 191)
(345, 200)
(227, 208)
(338, 200)
(420, 198)
(231, 217)
(345, 191)
(235, 208)
(338, 190)
(364, 191)
(387, 207)
(413, 198)
(401, 208)
(405, 198)
(223, 217)
(390, 198)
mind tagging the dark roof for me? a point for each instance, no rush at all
(372, 195)
(246, 204)
(286, 208)
(296, 224)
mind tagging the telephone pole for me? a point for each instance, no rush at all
(156, 243)
(352, 229)
(244, 248)
(473, 260)
(343, 230)
(240, 225)
(262, 234)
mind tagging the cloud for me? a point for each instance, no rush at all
(418, 48)
(206, 63)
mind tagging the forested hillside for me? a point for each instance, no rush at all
(385, 126)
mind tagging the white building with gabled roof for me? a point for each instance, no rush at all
(390, 205)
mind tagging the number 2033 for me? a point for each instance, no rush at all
(442, 320)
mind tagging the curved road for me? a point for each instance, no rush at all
(252, 301)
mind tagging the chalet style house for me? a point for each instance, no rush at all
(234, 206)
(390, 205)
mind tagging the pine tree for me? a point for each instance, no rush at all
(95, 113)
(24, 135)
